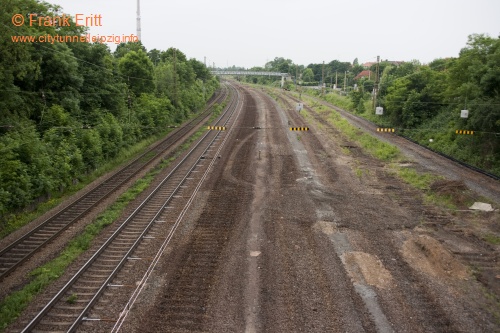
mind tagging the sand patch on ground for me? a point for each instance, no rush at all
(328, 228)
(428, 255)
(370, 267)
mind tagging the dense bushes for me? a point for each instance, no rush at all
(68, 108)
(424, 102)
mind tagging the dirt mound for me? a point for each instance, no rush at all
(452, 188)
(426, 254)
(448, 186)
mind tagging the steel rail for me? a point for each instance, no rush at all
(464, 164)
(138, 163)
(36, 320)
(147, 274)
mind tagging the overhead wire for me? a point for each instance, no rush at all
(78, 59)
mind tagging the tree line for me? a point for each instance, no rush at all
(68, 108)
(423, 101)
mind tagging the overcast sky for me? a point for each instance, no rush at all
(250, 33)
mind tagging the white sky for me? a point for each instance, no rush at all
(250, 33)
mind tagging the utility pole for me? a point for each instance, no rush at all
(175, 77)
(345, 82)
(375, 89)
(296, 76)
(139, 19)
(323, 79)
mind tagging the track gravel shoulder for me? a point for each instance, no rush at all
(286, 236)
(300, 242)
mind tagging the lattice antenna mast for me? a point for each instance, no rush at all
(139, 19)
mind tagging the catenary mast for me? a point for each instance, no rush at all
(139, 19)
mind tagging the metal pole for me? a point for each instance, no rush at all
(139, 19)
(323, 79)
(345, 80)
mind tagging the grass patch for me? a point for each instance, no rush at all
(445, 201)
(343, 102)
(72, 299)
(359, 173)
(421, 181)
(492, 239)
(379, 149)
(346, 151)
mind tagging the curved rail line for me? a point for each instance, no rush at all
(374, 126)
(124, 245)
(27, 245)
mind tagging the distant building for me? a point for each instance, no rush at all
(392, 62)
(368, 64)
(365, 73)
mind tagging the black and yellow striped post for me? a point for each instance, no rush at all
(217, 128)
(299, 128)
(389, 130)
(464, 132)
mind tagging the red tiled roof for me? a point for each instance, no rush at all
(366, 73)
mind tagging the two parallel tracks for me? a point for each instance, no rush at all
(26, 246)
(106, 270)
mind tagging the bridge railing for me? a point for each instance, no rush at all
(222, 72)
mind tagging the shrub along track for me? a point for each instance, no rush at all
(82, 293)
(32, 240)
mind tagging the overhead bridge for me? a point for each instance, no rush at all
(256, 73)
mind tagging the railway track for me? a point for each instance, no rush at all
(186, 298)
(106, 270)
(479, 180)
(16, 253)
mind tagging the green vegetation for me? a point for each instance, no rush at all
(387, 153)
(72, 299)
(377, 148)
(423, 102)
(68, 109)
(422, 181)
(14, 304)
(492, 239)
(22, 218)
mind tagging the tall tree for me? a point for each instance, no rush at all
(137, 68)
